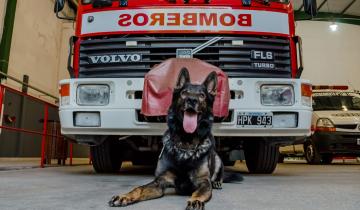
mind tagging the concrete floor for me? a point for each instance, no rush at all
(294, 185)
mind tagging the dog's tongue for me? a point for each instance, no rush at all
(190, 122)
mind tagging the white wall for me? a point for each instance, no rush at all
(331, 58)
(67, 32)
(2, 15)
(39, 46)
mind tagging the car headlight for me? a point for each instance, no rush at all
(93, 95)
(325, 124)
(277, 95)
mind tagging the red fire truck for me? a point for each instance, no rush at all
(118, 42)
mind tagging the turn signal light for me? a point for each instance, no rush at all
(64, 94)
(306, 93)
(64, 90)
(306, 90)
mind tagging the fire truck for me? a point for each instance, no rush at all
(117, 42)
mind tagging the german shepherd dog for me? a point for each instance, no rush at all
(188, 161)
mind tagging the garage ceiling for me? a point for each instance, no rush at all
(346, 11)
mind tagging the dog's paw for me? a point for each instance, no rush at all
(216, 185)
(195, 205)
(120, 201)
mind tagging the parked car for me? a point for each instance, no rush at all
(335, 127)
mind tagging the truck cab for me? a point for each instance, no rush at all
(117, 42)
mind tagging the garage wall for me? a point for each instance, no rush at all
(2, 14)
(66, 33)
(38, 44)
(331, 57)
(39, 49)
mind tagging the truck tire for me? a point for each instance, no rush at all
(312, 156)
(326, 159)
(106, 157)
(260, 157)
(281, 158)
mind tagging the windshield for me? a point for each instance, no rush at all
(343, 103)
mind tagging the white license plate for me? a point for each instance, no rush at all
(358, 141)
(255, 119)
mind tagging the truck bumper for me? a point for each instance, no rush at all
(124, 122)
(120, 116)
(337, 143)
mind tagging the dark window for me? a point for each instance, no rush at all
(336, 103)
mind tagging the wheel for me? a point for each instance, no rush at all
(281, 158)
(312, 156)
(260, 157)
(326, 159)
(106, 157)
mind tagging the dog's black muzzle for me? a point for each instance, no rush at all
(191, 104)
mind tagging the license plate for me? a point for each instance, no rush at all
(358, 141)
(254, 119)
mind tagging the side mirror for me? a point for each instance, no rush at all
(59, 5)
(310, 7)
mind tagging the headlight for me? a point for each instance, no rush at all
(87, 1)
(93, 95)
(325, 124)
(277, 95)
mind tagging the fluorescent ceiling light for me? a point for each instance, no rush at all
(334, 27)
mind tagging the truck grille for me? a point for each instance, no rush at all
(347, 126)
(234, 59)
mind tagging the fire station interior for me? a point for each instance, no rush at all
(82, 79)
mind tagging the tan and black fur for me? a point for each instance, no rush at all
(188, 161)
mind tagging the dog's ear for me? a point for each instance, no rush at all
(211, 83)
(183, 78)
